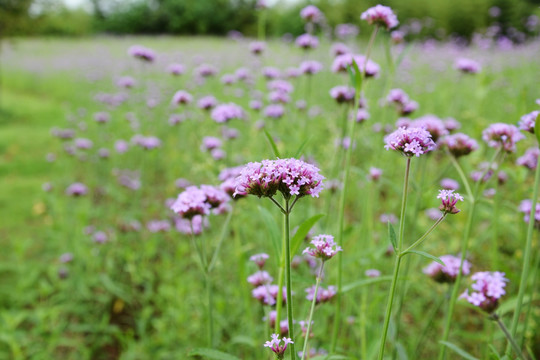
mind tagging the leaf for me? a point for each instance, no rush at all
(302, 231)
(425, 254)
(392, 236)
(351, 75)
(272, 143)
(301, 148)
(330, 357)
(364, 282)
(458, 350)
(494, 352)
(537, 129)
(212, 354)
(244, 340)
(273, 229)
(359, 77)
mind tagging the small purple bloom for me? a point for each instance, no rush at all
(307, 41)
(527, 121)
(259, 259)
(142, 53)
(410, 142)
(276, 347)
(459, 144)
(325, 247)
(449, 184)
(76, 189)
(175, 69)
(182, 97)
(449, 200)
(380, 15)
(529, 159)
(311, 13)
(468, 66)
(448, 272)
(226, 112)
(342, 94)
(500, 135)
(488, 288)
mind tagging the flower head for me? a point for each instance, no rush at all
(276, 347)
(527, 121)
(259, 259)
(380, 15)
(257, 47)
(311, 13)
(191, 202)
(324, 247)
(525, 207)
(323, 295)
(410, 141)
(260, 278)
(307, 41)
(310, 67)
(182, 97)
(449, 200)
(448, 272)
(267, 294)
(459, 144)
(342, 62)
(142, 53)
(225, 112)
(488, 289)
(288, 176)
(76, 189)
(342, 94)
(500, 135)
(176, 69)
(529, 159)
(468, 66)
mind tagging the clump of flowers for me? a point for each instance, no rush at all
(342, 94)
(268, 294)
(311, 13)
(449, 272)
(488, 289)
(142, 53)
(459, 144)
(276, 347)
(527, 121)
(324, 248)
(380, 15)
(500, 135)
(310, 67)
(259, 259)
(449, 184)
(307, 41)
(342, 62)
(260, 278)
(226, 112)
(76, 189)
(467, 66)
(200, 201)
(449, 200)
(288, 176)
(525, 207)
(257, 47)
(410, 141)
(182, 97)
(323, 295)
(529, 159)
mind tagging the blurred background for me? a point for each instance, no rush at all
(516, 20)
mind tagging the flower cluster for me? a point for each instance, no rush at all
(276, 347)
(410, 141)
(525, 207)
(323, 295)
(310, 67)
(527, 121)
(450, 270)
(325, 247)
(433, 124)
(199, 201)
(311, 13)
(404, 105)
(288, 176)
(342, 94)
(257, 47)
(342, 62)
(449, 200)
(175, 69)
(207, 102)
(259, 259)
(500, 135)
(380, 15)
(225, 112)
(143, 53)
(488, 289)
(459, 144)
(529, 159)
(267, 294)
(76, 189)
(307, 41)
(467, 66)
(260, 278)
(182, 97)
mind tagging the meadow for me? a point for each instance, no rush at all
(106, 270)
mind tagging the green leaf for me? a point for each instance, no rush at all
(458, 350)
(392, 236)
(273, 230)
(302, 231)
(494, 353)
(365, 282)
(358, 77)
(212, 354)
(272, 143)
(425, 254)
(351, 75)
(537, 129)
(301, 148)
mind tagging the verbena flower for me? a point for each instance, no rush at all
(324, 248)
(274, 111)
(226, 112)
(527, 121)
(448, 272)
(76, 189)
(307, 41)
(207, 102)
(525, 207)
(342, 94)
(344, 61)
(102, 117)
(311, 13)
(267, 294)
(459, 144)
(276, 347)
(228, 79)
(310, 67)
(205, 70)
(433, 124)
(210, 143)
(191, 202)
(449, 200)
(288, 176)
(126, 82)
(259, 259)
(339, 49)
(142, 53)
(260, 278)
(500, 135)
(467, 66)
(323, 295)
(182, 97)
(372, 273)
(410, 141)
(449, 184)
(529, 159)
(374, 174)
(176, 69)
(487, 290)
(257, 47)
(282, 86)
(157, 226)
(345, 31)
(380, 15)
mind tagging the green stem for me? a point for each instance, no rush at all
(511, 341)
(224, 229)
(461, 175)
(363, 325)
(312, 310)
(527, 254)
(398, 260)
(290, 317)
(262, 25)
(421, 239)
(210, 317)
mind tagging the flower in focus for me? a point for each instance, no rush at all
(449, 200)
(288, 176)
(410, 141)
(448, 272)
(527, 121)
(325, 247)
(459, 144)
(380, 15)
(500, 135)
(191, 202)
(488, 289)
(276, 347)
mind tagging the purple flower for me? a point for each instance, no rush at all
(525, 207)
(342, 94)
(362, 115)
(274, 111)
(529, 159)
(449, 184)
(225, 112)
(449, 200)
(307, 41)
(500, 135)
(344, 31)
(260, 278)
(257, 47)
(388, 218)
(142, 53)
(176, 69)
(380, 15)
(323, 295)
(276, 347)
(372, 273)
(195, 225)
(397, 36)
(76, 189)
(270, 72)
(205, 70)
(410, 142)
(267, 294)
(279, 97)
(288, 176)
(191, 202)
(459, 144)
(339, 49)
(448, 272)
(102, 117)
(66, 258)
(527, 121)
(311, 13)
(182, 97)
(374, 174)
(125, 82)
(259, 259)
(210, 143)
(467, 66)
(432, 124)
(255, 105)
(157, 226)
(342, 62)
(324, 247)
(292, 72)
(282, 86)
(228, 79)
(100, 237)
(310, 67)
(83, 144)
(488, 289)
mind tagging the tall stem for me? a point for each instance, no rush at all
(511, 341)
(290, 317)
(398, 259)
(527, 254)
(312, 310)
(210, 317)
